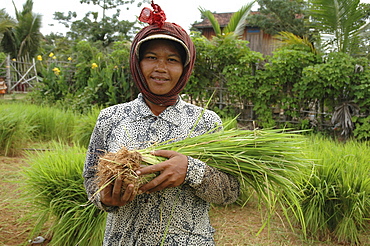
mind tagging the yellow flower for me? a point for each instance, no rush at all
(14, 59)
(51, 54)
(56, 71)
(54, 57)
(39, 58)
(94, 65)
(115, 67)
(69, 58)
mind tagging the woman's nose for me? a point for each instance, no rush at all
(161, 65)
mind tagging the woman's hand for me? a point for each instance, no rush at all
(111, 194)
(173, 171)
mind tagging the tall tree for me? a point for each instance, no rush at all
(24, 38)
(281, 16)
(236, 23)
(344, 20)
(99, 28)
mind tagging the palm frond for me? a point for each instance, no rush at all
(237, 21)
(342, 117)
(288, 38)
(340, 18)
(208, 14)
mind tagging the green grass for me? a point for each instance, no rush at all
(22, 124)
(15, 131)
(336, 198)
(53, 185)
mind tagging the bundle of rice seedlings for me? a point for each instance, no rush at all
(52, 187)
(270, 161)
(335, 199)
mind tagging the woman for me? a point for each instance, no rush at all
(172, 208)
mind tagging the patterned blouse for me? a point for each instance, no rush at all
(178, 215)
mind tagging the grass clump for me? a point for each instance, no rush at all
(15, 131)
(24, 124)
(53, 184)
(84, 127)
(336, 198)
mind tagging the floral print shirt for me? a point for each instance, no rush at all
(173, 216)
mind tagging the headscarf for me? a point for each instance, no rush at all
(156, 19)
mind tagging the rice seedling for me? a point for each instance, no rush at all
(269, 161)
(53, 185)
(336, 198)
(14, 132)
(85, 126)
(48, 123)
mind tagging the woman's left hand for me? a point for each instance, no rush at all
(173, 171)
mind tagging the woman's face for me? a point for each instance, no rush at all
(161, 66)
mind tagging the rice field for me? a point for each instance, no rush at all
(331, 190)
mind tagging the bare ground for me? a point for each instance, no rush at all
(234, 225)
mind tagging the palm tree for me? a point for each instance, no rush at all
(23, 39)
(236, 24)
(288, 39)
(343, 19)
(6, 21)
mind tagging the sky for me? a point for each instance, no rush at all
(182, 12)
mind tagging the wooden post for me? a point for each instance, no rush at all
(8, 79)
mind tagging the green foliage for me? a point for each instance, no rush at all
(53, 185)
(276, 84)
(6, 21)
(53, 86)
(23, 39)
(336, 200)
(343, 19)
(280, 15)
(98, 78)
(224, 63)
(236, 23)
(94, 28)
(362, 128)
(333, 81)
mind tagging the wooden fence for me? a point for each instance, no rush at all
(20, 75)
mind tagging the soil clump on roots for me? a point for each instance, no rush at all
(122, 164)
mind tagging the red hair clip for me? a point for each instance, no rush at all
(157, 16)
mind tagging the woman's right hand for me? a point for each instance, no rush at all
(111, 194)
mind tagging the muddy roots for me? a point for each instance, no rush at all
(124, 163)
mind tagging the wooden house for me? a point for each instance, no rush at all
(258, 40)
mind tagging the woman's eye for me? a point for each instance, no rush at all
(150, 57)
(173, 60)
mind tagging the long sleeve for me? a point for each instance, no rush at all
(211, 184)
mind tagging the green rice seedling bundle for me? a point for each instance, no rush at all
(336, 198)
(270, 161)
(53, 185)
(15, 131)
